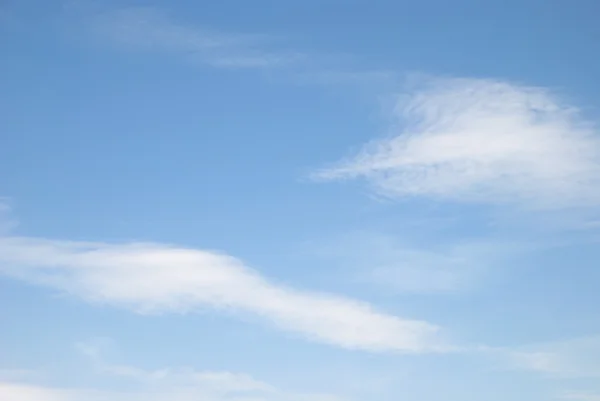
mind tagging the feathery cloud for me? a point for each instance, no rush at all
(167, 384)
(149, 29)
(7, 220)
(581, 397)
(27, 392)
(154, 278)
(487, 141)
(577, 358)
(164, 386)
(400, 264)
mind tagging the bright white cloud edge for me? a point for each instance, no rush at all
(156, 278)
(485, 141)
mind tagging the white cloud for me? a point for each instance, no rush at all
(581, 397)
(147, 28)
(221, 381)
(577, 358)
(203, 387)
(152, 29)
(7, 221)
(26, 392)
(416, 270)
(154, 278)
(167, 384)
(374, 80)
(403, 265)
(184, 384)
(484, 141)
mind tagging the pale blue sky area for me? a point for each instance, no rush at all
(299, 201)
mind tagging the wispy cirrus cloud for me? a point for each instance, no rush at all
(156, 278)
(576, 358)
(580, 396)
(399, 264)
(147, 28)
(152, 29)
(573, 362)
(163, 386)
(166, 384)
(7, 220)
(16, 391)
(485, 141)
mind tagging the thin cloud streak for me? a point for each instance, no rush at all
(166, 384)
(7, 221)
(147, 28)
(580, 397)
(14, 391)
(399, 264)
(195, 384)
(151, 29)
(576, 358)
(155, 278)
(484, 141)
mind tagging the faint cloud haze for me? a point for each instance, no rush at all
(147, 28)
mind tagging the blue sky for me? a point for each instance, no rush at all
(300, 201)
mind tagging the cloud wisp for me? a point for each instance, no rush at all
(483, 141)
(155, 278)
(147, 28)
(152, 29)
(400, 264)
(163, 385)
(7, 221)
(167, 384)
(576, 358)
(580, 397)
